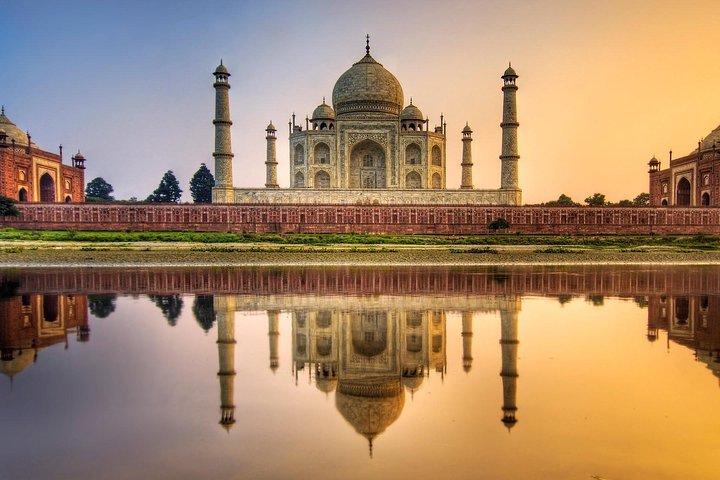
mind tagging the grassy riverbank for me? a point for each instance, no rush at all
(694, 242)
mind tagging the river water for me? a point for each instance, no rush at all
(500, 373)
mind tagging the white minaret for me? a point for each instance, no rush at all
(223, 148)
(225, 314)
(467, 181)
(509, 346)
(271, 158)
(509, 156)
(273, 336)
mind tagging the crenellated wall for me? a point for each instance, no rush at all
(392, 219)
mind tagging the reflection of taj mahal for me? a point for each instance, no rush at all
(368, 147)
(369, 352)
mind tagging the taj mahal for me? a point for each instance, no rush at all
(367, 148)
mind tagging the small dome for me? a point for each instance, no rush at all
(13, 132)
(413, 383)
(411, 112)
(323, 112)
(510, 72)
(325, 384)
(367, 87)
(79, 156)
(467, 129)
(271, 128)
(221, 69)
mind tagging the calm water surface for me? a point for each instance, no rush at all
(503, 373)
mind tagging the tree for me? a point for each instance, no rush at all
(499, 224)
(562, 201)
(642, 200)
(168, 191)
(101, 306)
(8, 208)
(170, 306)
(201, 185)
(98, 190)
(204, 310)
(597, 200)
(625, 203)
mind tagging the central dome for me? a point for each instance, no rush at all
(367, 87)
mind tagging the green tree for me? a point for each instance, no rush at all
(101, 306)
(499, 224)
(625, 203)
(642, 200)
(98, 190)
(168, 191)
(170, 306)
(8, 208)
(201, 185)
(562, 201)
(204, 310)
(596, 200)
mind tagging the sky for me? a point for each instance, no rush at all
(603, 86)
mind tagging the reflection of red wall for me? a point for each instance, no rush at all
(467, 219)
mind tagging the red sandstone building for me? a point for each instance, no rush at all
(30, 174)
(689, 181)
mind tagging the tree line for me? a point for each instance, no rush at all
(168, 190)
(599, 200)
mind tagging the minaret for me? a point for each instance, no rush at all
(467, 181)
(509, 347)
(273, 334)
(509, 156)
(467, 338)
(223, 148)
(271, 158)
(225, 314)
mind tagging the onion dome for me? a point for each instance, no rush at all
(411, 112)
(510, 72)
(12, 132)
(323, 112)
(367, 87)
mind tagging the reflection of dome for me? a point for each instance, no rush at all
(325, 384)
(370, 416)
(367, 87)
(413, 383)
(17, 364)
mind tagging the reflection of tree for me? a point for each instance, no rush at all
(596, 300)
(101, 306)
(204, 310)
(8, 289)
(170, 306)
(641, 302)
(563, 299)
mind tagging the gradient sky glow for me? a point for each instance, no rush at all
(603, 85)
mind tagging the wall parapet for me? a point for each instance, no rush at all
(392, 219)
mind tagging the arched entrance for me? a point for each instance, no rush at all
(664, 203)
(367, 165)
(299, 180)
(436, 181)
(22, 195)
(683, 193)
(705, 199)
(322, 179)
(413, 180)
(47, 188)
(68, 199)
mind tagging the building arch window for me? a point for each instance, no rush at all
(413, 156)
(664, 188)
(22, 195)
(322, 153)
(47, 188)
(436, 156)
(436, 181)
(706, 179)
(367, 165)
(413, 180)
(68, 199)
(50, 308)
(21, 175)
(322, 179)
(664, 202)
(682, 310)
(299, 155)
(705, 199)
(368, 161)
(299, 180)
(683, 193)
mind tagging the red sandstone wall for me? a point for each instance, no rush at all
(398, 219)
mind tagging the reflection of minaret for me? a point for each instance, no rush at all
(273, 334)
(226, 355)
(509, 346)
(467, 334)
